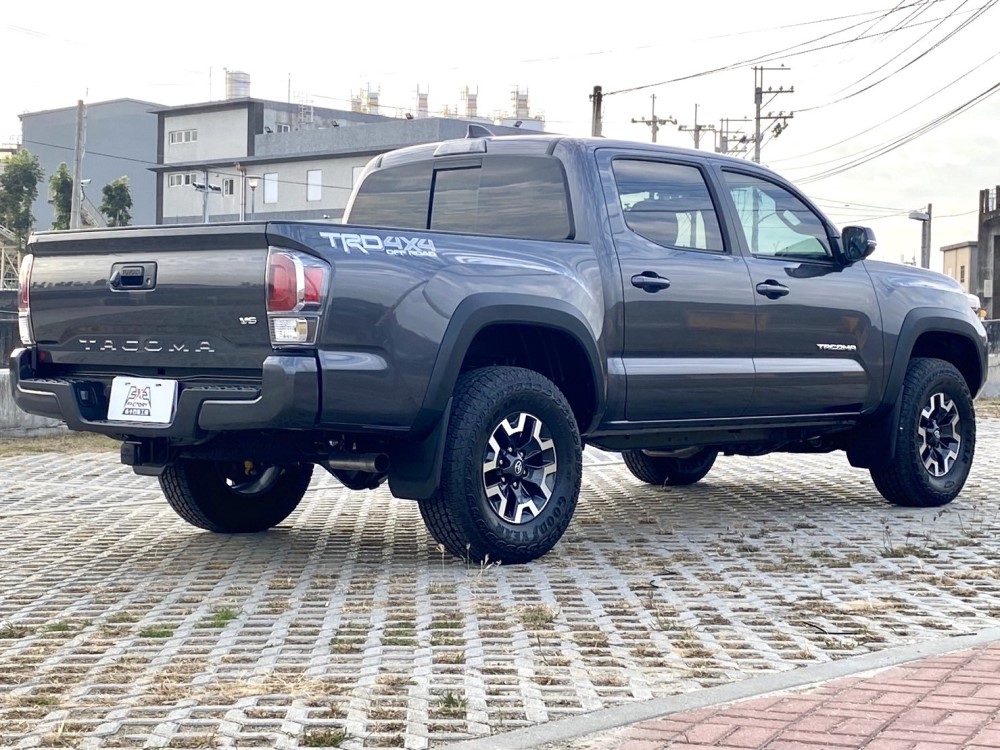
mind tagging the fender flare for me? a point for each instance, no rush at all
(874, 442)
(481, 310)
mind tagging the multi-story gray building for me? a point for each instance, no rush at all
(272, 160)
(986, 281)
(120, 141)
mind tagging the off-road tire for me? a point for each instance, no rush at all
(905, 480)
(459, 516)
(663, 470)
(198, 493)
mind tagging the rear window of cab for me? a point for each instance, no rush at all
(504, 196)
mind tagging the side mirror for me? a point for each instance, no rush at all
(858, 243)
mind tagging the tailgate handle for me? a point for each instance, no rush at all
(132, 277)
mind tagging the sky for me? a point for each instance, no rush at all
(864, 76)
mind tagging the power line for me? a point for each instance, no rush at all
(855, 203)
(914, 14)
(881, 18)
(773, 55)
(888, 119)
(975, 15)
(918, 12)
(870, 154)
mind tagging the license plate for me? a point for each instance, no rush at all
(142, 400)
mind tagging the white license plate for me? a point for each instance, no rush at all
(142, 400)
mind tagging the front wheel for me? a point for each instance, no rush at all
(512, 468)
(234, 497)
(936, 440)
(670, 471)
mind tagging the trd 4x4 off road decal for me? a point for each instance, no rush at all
(419, 247)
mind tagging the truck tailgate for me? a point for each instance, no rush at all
(159, 300)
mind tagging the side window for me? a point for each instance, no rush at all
(456, 199)
(393, 197)
(775, 223)
(507, 196)
(668, 204)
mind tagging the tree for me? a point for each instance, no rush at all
(61, 189)
(18, 190)
(117, 203)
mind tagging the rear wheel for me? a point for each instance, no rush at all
(936, 440)
(233, 497)
(512, 468)
(667, 470)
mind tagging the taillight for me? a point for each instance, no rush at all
(297, 284)
(282, 284)
(24, 301)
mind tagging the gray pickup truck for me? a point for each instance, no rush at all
(489, 306)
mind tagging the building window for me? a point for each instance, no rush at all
(283, 127)
(270, 187)
(314, 184)
(179, 179)
(228, 186)
(961, 274)
(183, 136)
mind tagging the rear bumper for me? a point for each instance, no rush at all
(288, 398)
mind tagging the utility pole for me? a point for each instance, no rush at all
(75, 211)
(925, 237)
(655, 122)
(696, 129)
(758, 99)
(732, 141)
(243, 191)
(924, 217)
(596, 126)
(204, 200)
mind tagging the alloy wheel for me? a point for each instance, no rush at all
(519, 468)
(940, 439)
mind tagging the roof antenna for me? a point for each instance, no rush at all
(478, 131)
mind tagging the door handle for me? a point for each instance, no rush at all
(650, 281)
(772, 289)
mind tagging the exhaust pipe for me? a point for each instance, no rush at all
(374, 463)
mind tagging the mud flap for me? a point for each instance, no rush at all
(415, 468)
(874, 443)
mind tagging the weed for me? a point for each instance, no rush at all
(449, 657)
(393, 680)
(220, 618)
(60, 626)
(323, 738)
(451, 704)
(156, 631)
(538, 615)
(9, 630)
(41, 699)
(70, 442)
(907, 550)
(123, 617)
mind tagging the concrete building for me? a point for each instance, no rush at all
(987, 278)
(228, 140)
(120, 141)
(272, 160)
(959, 262)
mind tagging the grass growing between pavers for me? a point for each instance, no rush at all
(64, 442)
